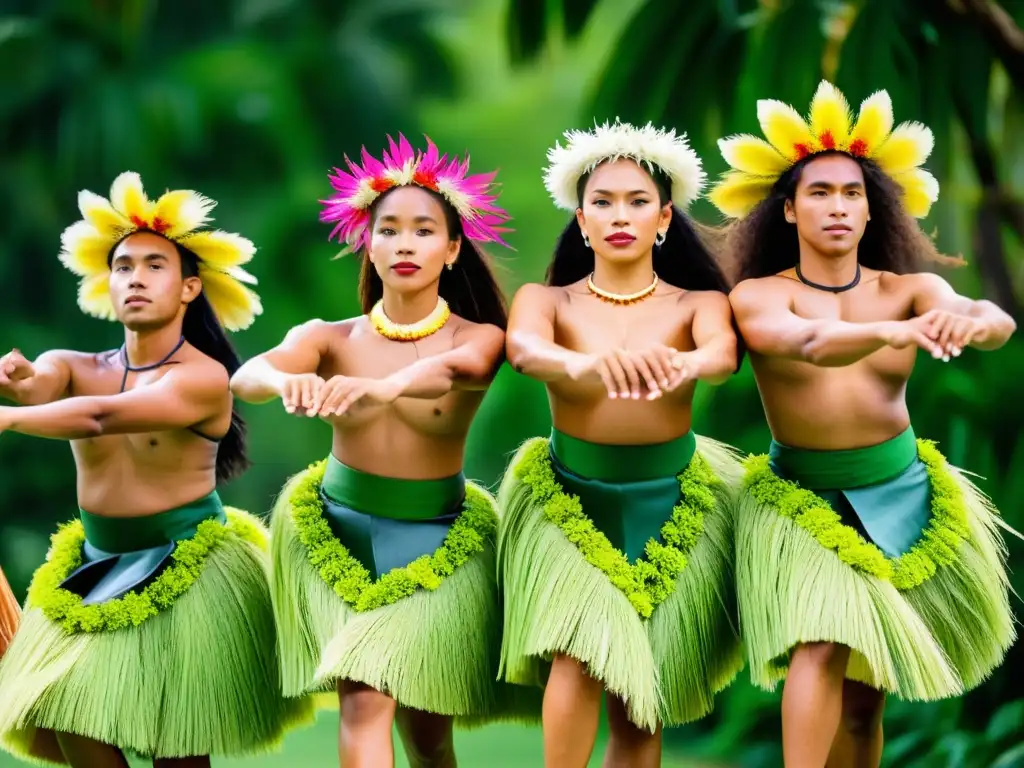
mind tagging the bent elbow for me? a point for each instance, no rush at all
(516, 352)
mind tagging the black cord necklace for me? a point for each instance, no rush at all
(830, 288)
(130, 369)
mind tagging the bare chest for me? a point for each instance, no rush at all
(871, 305)
(168, 449)
(372, 357)
(591, 327)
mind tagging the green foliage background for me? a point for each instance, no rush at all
(253, 101)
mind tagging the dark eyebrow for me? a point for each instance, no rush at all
(147, 257)
(829, 185)
(606, 193)
(417, 220)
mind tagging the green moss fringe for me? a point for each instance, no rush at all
(65, 608)
(938, 546)
(349, 578)
(651, 579)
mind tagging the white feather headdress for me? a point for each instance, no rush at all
(650, 147)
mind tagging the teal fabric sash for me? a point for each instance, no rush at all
(882, 490)
(628, 491)
(388, 522)
(122, 554)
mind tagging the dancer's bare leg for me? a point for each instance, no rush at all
(812, 703)
(629, 745)
(364, 740)
(572, 708)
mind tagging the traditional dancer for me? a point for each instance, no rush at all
(866, 564)
(383, 553)
(616, 542)
(149, 629)
(9, 614)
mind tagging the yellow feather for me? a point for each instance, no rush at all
(97, 211)
(184, 210)
(94, 297)
(235, 305)
(874, 121)
(907, 147)
(129, 198)
(220, 250)
(920, 190)
(737, 193)
(241, 275)
(752, 155)
(830, 114)
(783, 127)
(84, 250)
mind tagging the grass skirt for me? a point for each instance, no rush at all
(666, 668)
(199, 677)
(9, 614)
(428, 634)
(922, 628)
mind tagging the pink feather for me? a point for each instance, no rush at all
(352, 216)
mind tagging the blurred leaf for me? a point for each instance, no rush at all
(1009, 719)
(1011, 758)
(899, 750)
(575, 14)
(526, 28)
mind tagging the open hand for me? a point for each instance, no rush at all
(299, 391)
(341, 393)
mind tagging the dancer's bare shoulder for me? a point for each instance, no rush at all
(761, 293)
(537, 296)
(464, 331)
(706, 301)
(533, 308)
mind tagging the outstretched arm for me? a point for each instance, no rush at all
(530, 344)
(471, 364)
(956, 321)
(770, 327)
(292, 364)
(187, 395)
(714, 360)
(43, 381)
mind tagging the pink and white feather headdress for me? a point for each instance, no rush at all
(357, 189)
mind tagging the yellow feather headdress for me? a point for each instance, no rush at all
(757, 164)
(178, 215)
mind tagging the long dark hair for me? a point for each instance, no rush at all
(203, 330)
(684, 260)
(469, 287)
(764, 243)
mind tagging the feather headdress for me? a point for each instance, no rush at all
(178, 215)
(757, 164)
(357, 189)
(650, 147)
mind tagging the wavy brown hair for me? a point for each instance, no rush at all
(763, 243)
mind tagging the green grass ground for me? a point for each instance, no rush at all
(497, 746)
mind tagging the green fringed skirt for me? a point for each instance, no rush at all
(9, 613)
(153, 634)
(621, 557)
(390, 583)
(888, 550)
